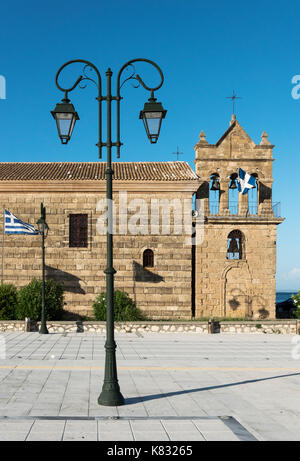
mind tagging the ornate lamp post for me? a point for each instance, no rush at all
(43, 230)
(66, 116)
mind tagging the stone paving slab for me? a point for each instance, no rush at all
(126, 429)
(183, 376)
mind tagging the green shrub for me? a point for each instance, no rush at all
(296, 299)
(30, 301)
(8, 301)
(124, 308)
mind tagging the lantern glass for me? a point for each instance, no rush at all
(43, 227)
(65, 124)
(152, 115)
(65, 117)
(152, 122)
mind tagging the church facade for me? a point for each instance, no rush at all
(152, 254)
(175, 263)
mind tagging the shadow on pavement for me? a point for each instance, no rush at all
(133, 400)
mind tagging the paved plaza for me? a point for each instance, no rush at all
(177, 386)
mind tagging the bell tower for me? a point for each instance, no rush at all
(236, 260)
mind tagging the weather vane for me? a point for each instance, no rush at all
(177, 153)
(233, 98)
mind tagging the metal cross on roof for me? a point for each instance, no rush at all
(233, 98)
(177, 153)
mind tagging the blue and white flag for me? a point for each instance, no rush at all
(13, 225)
(245, 182)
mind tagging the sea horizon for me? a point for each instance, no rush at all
(286, 291)
(283, 295)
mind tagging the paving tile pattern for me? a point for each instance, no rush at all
(254, 379)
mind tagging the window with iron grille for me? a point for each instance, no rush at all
(148, 258)
(78, 234)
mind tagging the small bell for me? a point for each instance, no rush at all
(215, 184)
(232, 184)
(233, 246)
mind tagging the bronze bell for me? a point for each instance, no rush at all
(233, 246)
(215, 184)
(232, 184)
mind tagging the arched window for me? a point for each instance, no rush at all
(148, 258)
(214, 193)
(252, 197)
(233, 194)
(235, 245)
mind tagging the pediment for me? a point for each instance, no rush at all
(237, 135)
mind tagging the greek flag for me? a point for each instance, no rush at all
(13, 225)
(245, 182)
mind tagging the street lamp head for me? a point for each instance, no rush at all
(152, 115)
(41, 222)
(42, 226)
(65, 117)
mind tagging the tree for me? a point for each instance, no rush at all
(124, 308)
(296, 299)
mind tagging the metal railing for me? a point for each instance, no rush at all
(252, 208)
(276, 207)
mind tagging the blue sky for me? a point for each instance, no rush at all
(205, 51)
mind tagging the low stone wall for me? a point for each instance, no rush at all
(261, 327)
(12, 325)
(124, 327)
(268, 326)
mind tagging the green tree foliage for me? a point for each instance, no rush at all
(8, 301)
(296, 299)
(124, 308)
(30, 301)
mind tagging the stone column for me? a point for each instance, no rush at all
(264, 204)
(243, 204)
(224, 197)
(203, 194)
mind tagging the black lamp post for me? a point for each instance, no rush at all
(43, 230)
(66, 116)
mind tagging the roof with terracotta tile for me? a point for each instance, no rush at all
(123, 171)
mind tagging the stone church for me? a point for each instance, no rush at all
(228, 269)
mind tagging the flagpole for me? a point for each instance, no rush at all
(3, 231)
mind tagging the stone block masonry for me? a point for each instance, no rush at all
(237, 284)
(161, 291)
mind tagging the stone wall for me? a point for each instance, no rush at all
(12, 325)
(236, 288)
(266, 327)
(163, 291)
(263, 327)
(243, 288)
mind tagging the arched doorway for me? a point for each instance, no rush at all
(237, 291)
